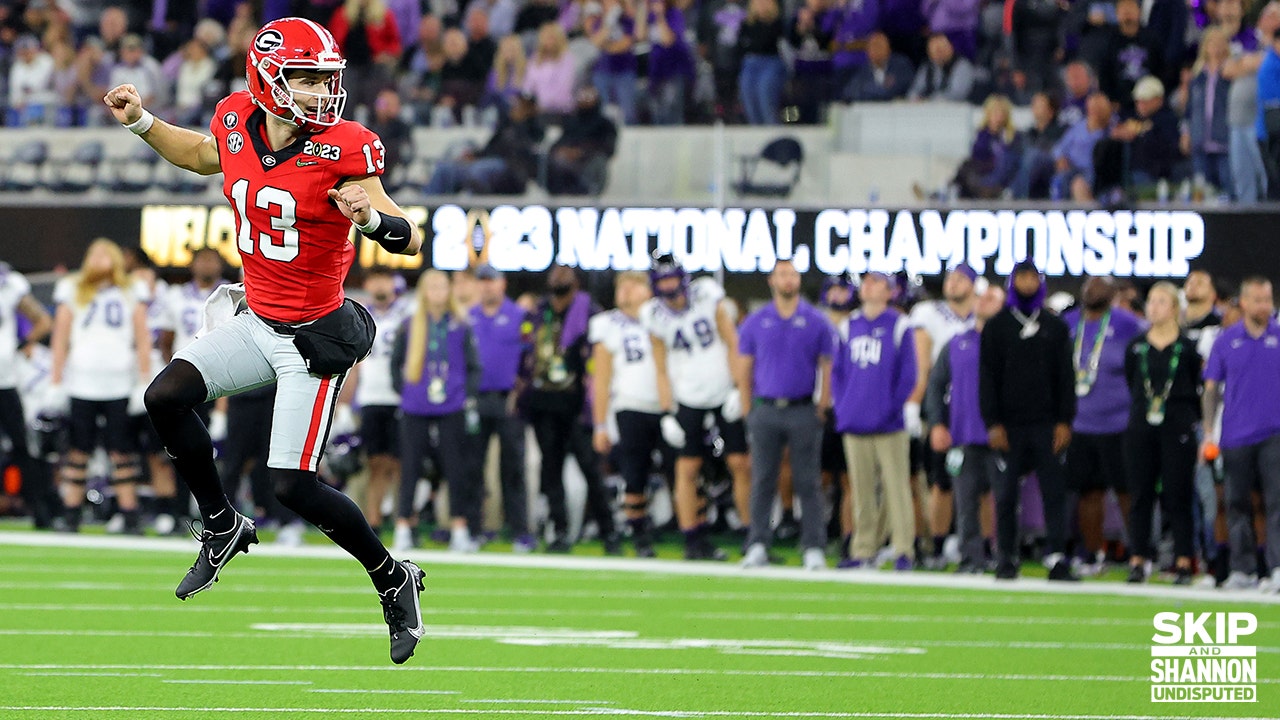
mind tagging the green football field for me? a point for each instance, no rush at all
(89, 628)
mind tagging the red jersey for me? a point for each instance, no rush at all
(293, 241)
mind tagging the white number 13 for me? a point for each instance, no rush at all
(284, 250)
(372, 165)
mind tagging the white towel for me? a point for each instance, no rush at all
(223, 304)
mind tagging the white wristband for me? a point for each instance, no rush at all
(375, 219)
(142, 124)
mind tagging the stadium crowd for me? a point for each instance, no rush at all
(1129, 99)
(989, 425)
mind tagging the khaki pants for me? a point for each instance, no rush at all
(880, 462)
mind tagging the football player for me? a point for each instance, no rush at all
(695, 347)
(16, 300)
(298, 177)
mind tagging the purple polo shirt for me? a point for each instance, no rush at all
(786, 351)
(501, 340)
(965, 423)
(873, 373)
(1105, 410)
(1249, 369)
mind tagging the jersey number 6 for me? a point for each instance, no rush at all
(287, 248)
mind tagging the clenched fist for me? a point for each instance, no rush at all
(125, 103)
(353, 201)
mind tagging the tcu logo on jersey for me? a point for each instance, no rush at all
(324, 151)
(268, 40)
(865, 350)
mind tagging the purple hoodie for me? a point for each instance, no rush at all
(859, 19)
(873, 374)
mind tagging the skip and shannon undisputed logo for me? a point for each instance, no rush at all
(1194, 660)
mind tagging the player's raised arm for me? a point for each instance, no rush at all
(184, 148)
(366, 203)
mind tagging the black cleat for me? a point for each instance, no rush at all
(1006, 570)
(1137, 574)
(613, 544)
(216, 549)
(402, 610)
(1062, 572)
(703, 549)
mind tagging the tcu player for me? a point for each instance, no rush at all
(695, 348)
(378, 401)
(935, 323)
(298, 176)
(101, 361)
(15, 300)
(626, 408)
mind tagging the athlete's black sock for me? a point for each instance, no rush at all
(390, 574)
(171, 400)
(938, 541)
(331, 511)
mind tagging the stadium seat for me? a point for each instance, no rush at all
(180, 182)
(135, 173)
(23, 169)
(79, 172)
(785, 155)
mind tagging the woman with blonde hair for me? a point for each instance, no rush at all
(102, 363)
(1207, 136)
(992, 162)
(1162, 369)
(506, 79)
(551, 77)
(435, 369)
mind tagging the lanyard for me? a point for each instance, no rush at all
(437, 332)
(1145, 368)
(1089, 374)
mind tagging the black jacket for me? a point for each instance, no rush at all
(1026, 381)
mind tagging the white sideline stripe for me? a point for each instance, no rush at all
(237, 682)
(383, 692)
(603, 712)
(509, 701)
(262, 610)
(616, 671)
(668, 567)
(89, 674)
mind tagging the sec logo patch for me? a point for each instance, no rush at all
(230, 120)
(235, 141)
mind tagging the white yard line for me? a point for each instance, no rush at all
(664, 567)
(382, 692)
(237, 682)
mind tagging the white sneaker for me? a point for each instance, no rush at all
(815, 559)
(290, 535)
(403, 539)
(115, 525)
(165, 524)
(1271, 586)
(756, 556)
(1240, 581)
(460, 541)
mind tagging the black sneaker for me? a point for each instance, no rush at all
(613, 544)
(402, 609)
(703, 549)
(560, 546)
(1006, 570)
(216, 549)
(1137, 574)
(1062, 572)
(644, 545)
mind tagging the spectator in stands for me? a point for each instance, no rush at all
(719, 26)
(886, 76)
(1035, 145)
(420, 85)
(946, 76)
(670, 61)
(1078, 84)
(551, 75)
(854, 23)
(1166, 22)
(504, 165)
(1130, 53)
(903, 21)
(66, 85)
(93, 73)
(1207, 135)
(1267, 122)
(578, 161)
(192, 90)
(534, 14)
(462, 78)
(390, 127)
(1151, 133)
(481, 47)
(135, 66)
(958, 20)
(992, 161)
(370, 41)
(611, 28)
(1037, 35)
(1248, 47)
(809, 36)
(1162, 369)
(113, 24)
(1073, 155)
(31, 93)
(763, 71)
(408, 14)
(507, 78)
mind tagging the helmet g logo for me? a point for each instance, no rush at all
(268, 41)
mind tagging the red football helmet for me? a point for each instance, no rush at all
(295, 44)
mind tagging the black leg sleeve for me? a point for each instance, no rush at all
(171, 401)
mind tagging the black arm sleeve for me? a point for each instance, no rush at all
(935, 396)
(399, 350)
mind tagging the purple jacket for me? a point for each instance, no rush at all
(952, 399)
(859, 19)
(455, 360)
(873, 374)
(674, 61)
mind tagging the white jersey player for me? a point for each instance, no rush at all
(627, 408)
(102, 362)
(695, 345)
(16, 301)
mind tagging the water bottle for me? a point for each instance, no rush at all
(1162, 191)
(873, 195)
